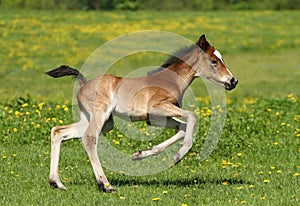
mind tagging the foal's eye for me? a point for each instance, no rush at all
(214, 62)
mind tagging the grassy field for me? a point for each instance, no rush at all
(256, 161)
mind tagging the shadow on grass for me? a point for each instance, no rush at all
(178, 182)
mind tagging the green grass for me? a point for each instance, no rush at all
(264, 43)
(256, 161)
(260, 142)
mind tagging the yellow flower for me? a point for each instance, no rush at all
(240, 187)
(17, 113)
(225, 182)
(116, 142)
(239, 154)
(41, 105)
(296, 174)
(184, 204)
(66, 109)
(25, 105)
(165, 192)
(155, 199)
(243, 202)
(15, 129)
(38, 126)
(122, 198)
(266, 181)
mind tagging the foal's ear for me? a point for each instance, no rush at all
(202, 43)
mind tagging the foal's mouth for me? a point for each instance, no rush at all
(227, 85)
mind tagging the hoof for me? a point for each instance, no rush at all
(177, 158)
(137, 156)
(106, 187)
(57, 185)
(109, 190)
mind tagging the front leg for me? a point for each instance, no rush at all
(188, 138)
(159, 148)
(167, 109)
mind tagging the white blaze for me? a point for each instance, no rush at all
(218, 54)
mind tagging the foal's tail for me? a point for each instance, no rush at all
(65, 70)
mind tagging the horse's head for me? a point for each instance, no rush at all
(213, 66)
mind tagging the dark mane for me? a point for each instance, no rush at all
(174, 57)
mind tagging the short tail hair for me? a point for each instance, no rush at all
(65, 70)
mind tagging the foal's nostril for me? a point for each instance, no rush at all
(233, 81)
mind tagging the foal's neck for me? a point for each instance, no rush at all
(183, 71)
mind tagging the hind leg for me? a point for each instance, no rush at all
(58, 135)
(90, 140)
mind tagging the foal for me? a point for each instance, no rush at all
(154, 98)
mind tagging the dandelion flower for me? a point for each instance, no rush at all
(225, 182)
(155, 199)
(41, 105)
(266, 181)
(116, 142)
(25, 105)
(262, 198)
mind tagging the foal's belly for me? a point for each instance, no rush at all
(131, 116)
(131, 113)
